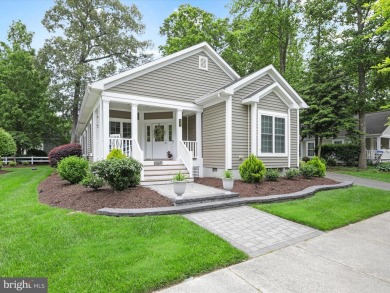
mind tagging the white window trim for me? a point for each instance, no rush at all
(121, 120)
(338, 139)
(307, 148)
(201, 58)
(286, 133)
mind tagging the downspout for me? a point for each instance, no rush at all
(248, 131)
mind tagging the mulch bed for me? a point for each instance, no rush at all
(56, 192)
(3, 172)
(264, 188)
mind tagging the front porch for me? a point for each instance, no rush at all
(161, 135)
(378, 146)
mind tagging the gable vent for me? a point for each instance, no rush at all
(203, 63)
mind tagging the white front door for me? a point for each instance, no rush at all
(159, 140)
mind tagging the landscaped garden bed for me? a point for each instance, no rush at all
(57, 192)
(264, 188)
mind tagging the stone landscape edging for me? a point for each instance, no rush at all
(184, 209)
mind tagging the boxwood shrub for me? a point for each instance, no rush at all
(348, 153)
(252, 169)
(119, 173)
(73, 169)
(272, 175)
(64, 151)
(320, 167)
(292, 173)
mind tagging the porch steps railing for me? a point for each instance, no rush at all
(192, 146)
(124, 144)
(186, 156)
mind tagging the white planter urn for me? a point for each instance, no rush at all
(228, 183)
(179, 187)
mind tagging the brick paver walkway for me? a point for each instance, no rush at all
(253, 231)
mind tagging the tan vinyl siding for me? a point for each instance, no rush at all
(275, 162)
(181, 81)
(214, 136)
(294, 140)
(192, 128)
(272, 102)
(240, 115)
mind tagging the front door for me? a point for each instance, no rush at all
(159, 140)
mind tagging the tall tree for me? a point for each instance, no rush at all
(265, 32)
(189, 26)
(360, 51)
(94, 39)
(25, 111)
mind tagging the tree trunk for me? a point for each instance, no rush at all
(319, 148)
(362, 129)
(75, 112)
(315, 144)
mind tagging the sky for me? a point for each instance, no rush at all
(31, 13)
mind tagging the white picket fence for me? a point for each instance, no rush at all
(32, 160)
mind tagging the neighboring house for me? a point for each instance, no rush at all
(377, 137)
(193, 104)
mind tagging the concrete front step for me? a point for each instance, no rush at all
(166, 167)
(170, 173)
(161, 163)
(148, 182)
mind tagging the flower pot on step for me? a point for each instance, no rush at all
(179, 187)
(228, 183)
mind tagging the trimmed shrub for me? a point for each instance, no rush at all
(319, 165)
(1, 165)
(36, 153)
(348, 153)
(25, 163)
(7, 144)
(73, 169)
(64, 151)
(252, 169)
(92, 181)
(305, 159)
(292, 173)
(272, 175)
(12, 164)
(119, 173)
(384, 167)
(117, 154)
(308, 171)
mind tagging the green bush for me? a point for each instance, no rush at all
(73, 169)
(272, 175)
(7, 144)
(1, 165)
(117, 154)
(92, 181)
(252, 169)
(305, 159)
(347, 153)
(384, 167)
(308, 171)
(12, 164)
(25, 163)
(119, 173)
(319, 165)
(292, 173)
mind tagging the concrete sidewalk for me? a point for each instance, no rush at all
(358, 180)
(351, 259)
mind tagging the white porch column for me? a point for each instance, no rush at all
(198, 134)
(179, 128)
(378, 143)
(253, 128)
(95, 133)
(228, 133)
(134, 122)
(106, 127)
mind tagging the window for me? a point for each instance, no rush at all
(148, 133)
(203, 63)
(170, 132)
(338, 141)
(115, 127)
(272, 134)
(310, 149)
(126, 130)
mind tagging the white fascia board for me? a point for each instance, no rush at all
(279, 91)
(109, 82)
(88, 104)
(148, 101)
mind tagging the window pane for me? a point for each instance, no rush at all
(170, 132)
(126, 130)
(266, 124)
(310, 149)
(279, 135)
(279, 144)
(266, 134)
(148, 133)
(279, 126)
(115, 127)
(266, 143)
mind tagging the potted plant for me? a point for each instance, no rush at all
(179, 183)
(228, 180)
(169, 155)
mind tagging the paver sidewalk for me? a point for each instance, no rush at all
(351, 259)
(358, 180)
(253, 231)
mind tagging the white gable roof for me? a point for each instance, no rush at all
(282, 85)
(116, 79)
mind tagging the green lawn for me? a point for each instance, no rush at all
(370, 173)
(332, 209)
(89, 253)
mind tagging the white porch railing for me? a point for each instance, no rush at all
(186, 156)
(192, 146)
(385, 156)
(123, 144)
(138, 154)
